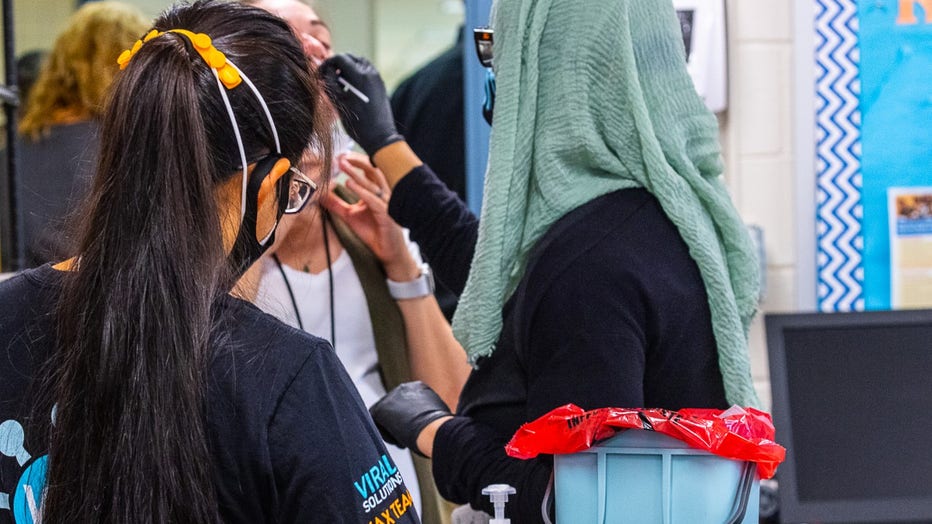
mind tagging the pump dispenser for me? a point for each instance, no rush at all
(498, 493)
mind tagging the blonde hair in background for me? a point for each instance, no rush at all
(78, 72)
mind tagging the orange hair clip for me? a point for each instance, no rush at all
(216, 60)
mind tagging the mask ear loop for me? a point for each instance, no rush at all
(239, 140)
(265, 108)
(239, 143)
(268, 116)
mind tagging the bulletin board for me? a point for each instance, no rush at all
(865, 76)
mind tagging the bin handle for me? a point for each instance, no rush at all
(743, 494)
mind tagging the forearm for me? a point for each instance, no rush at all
(441, 224)
(436, 358)
(396, 160)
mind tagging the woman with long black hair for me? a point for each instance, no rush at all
(133, 386)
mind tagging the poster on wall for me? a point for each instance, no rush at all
(910, 211)
(702, 23)
(873, 63)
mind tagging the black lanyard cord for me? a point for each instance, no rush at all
(324, 217)
(294, 302)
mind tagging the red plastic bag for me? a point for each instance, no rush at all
(737, 433)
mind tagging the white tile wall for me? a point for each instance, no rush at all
(761, 20)
(781, 290)
(766, 196)
(780, 299)
(758, 146)
(37, 23)
(759, 79)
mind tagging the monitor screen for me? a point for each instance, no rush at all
(852, 403)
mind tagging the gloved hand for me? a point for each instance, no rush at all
(371, 124)
(405, 411)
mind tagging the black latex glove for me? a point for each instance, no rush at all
(371, 124)
(405, 411)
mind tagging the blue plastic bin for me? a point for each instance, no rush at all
(642, 477)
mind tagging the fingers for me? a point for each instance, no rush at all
(337, 62)
(365, 176)
(347, 65)
(368, 202)
(366, 182)
(329, 69)
(371, 198)
(360, 62)
(374, 176)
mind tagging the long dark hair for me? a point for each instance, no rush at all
(135, 318)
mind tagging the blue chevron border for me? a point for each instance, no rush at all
(839, 238)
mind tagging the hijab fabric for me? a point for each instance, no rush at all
(593, 96)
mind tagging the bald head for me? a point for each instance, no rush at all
(304, 21)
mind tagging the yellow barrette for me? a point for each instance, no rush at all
(228, 74)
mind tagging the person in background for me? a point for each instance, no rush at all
(312, 32)
(322, 278)
(609, 267)
(28, 66)
(58, 125)
(27, 70)
(135, 387)
(428, 108)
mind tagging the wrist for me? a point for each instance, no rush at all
(425, 439)
(404, 270)
(421, 285)
(396, 160)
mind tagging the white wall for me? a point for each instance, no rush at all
(37, 22)
(352, 23)
(757, 137)
(398, 35)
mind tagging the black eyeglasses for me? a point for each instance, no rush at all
(300, 189)
(482, 36)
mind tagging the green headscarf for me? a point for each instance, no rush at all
(593, 96)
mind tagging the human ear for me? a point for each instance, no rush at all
(267, 190)
(268, 199)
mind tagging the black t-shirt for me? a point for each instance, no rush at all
(290, 437)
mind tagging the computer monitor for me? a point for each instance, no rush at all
(852, 404)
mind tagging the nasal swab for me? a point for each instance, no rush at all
(346, 85)
(352, 89)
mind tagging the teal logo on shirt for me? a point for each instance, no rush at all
(376, 487)
(26, 503)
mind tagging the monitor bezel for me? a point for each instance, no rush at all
(791, 508)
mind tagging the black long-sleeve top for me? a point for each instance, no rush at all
(611, 311)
